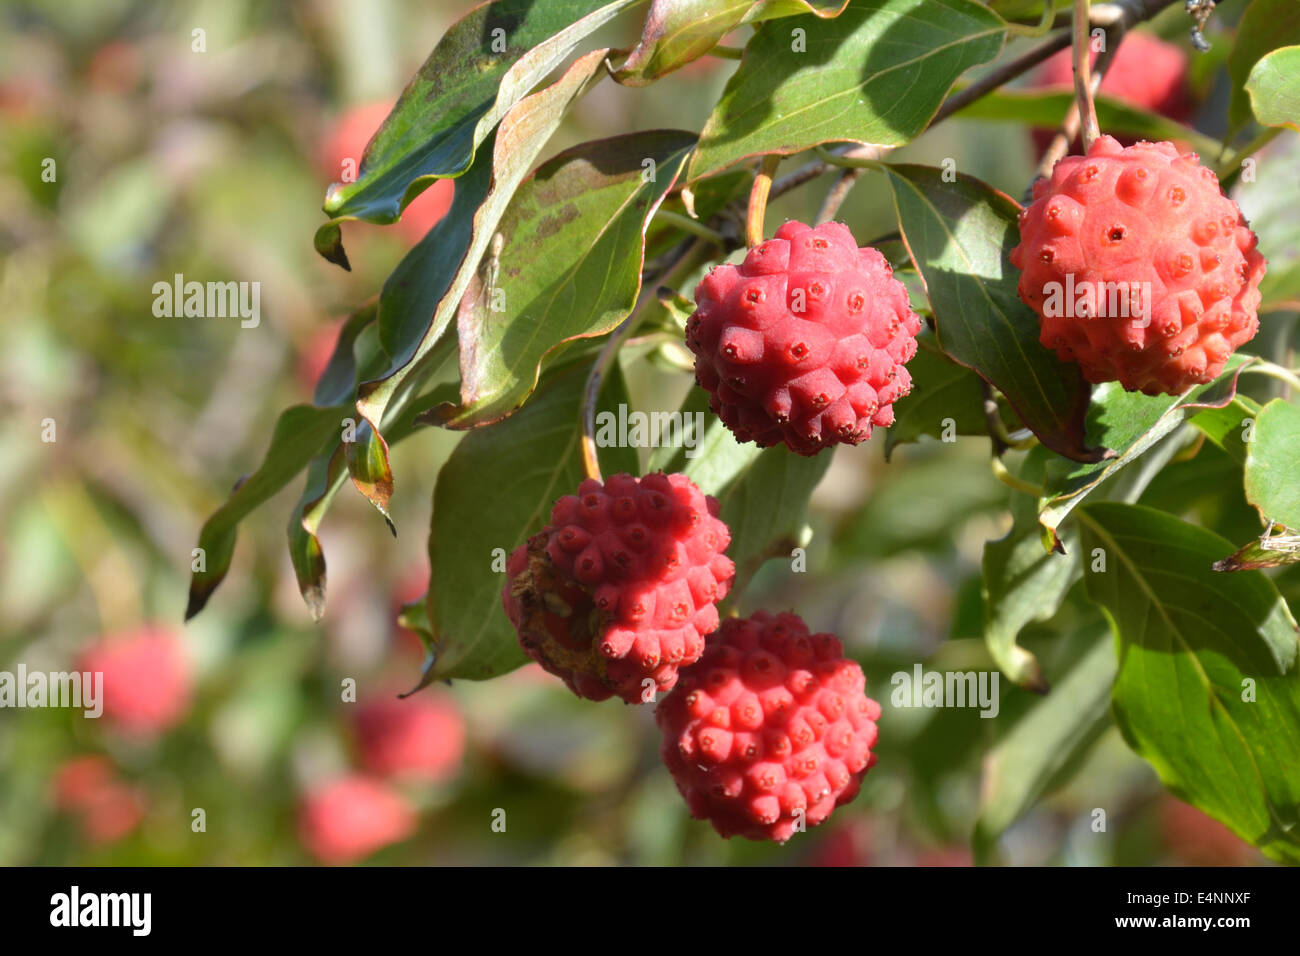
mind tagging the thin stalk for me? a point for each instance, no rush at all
(758, 196)
(1082, 77)
(693, 226)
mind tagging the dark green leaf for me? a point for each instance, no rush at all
(766, 505)
(324, 478)
(1048, 740)
(486, 63)
(570, 266)
(496, 490)
(876, 74)
(1044, 109)
(679, 31)
(1023, 582)
(1207, 690)
(945, 399)
(300, 433)
(1131, 423)
(958, 235)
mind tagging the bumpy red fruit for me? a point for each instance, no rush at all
(619, 590)
(805, 341)
(1139, 267)
(771, 726)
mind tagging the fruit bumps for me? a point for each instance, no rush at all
(770, 729)
(1140, 269)
(619, 590)
(805, 341)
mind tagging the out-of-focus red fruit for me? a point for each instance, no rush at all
(115, 68)
(79, 779)
(315, 355)
(946, 856)
(88, 787)
(147, 679)
(352, 817)
(1195, 839)
(1146, 72)
(340, 159)
(421, 737)
(847, 845)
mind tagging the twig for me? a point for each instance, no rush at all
(758, 196)
(993, 420)
(693, 226)
(1082, 77)
(838, 193)
(1060, 144)
(1272, 370)
(1003, 74)
(1011, 481)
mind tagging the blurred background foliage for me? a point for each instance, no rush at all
(213, 164)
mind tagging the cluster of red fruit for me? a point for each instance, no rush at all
(767, 728)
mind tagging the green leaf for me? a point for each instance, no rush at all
(485, 64)
(324, 478)
(325, 475)
(1044, 109)
(1207, 690)
(421, 296)
(677, 32)
(1045, 743)
(300, 433)
(1023, 582)
(958, 235)
(762, 492)
(1228, 426)
(1273, 464)
(366, 454)
(942, 392)
(765, 508)
(1274, 88)
(876, 74)
(570, 266)
(1130, 423)
(496, 490)
(921, 507)
(1266, 25)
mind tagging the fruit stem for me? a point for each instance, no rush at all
(1272, 370)
(838, 193)
(1060, 144)
(1011, 481)
(1082, 77)
(758, 199)
(693, 256)
(693, 226)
